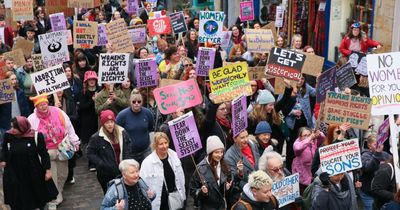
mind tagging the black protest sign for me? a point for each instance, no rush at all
(285, 63)
(178, 22)
(325, 83)
(345, 77)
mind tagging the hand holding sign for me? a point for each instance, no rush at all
(239, 166)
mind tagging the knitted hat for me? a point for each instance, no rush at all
(214, 143)
(106, 115)
(263, 127)
(265, 97)
(39, 99)
(90, 75)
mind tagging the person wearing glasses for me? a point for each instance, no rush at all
(138, 122)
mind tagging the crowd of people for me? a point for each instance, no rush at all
(128, 143)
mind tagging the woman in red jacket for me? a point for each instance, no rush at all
(355, 41)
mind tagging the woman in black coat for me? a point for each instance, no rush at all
(27, 168)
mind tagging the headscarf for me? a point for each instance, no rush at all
(24, 127)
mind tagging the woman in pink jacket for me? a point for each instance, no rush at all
(304, 149)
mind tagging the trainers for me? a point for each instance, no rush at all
(72, 180)
(52, 206)
(92, 169)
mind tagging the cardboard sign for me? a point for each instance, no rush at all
(37, 62)
(113, 67)
(280, 11)
(340, 157)
(256, 73)
(285, 63)
(132, 6)
(325, 83)
(184, 95)
(54, 48)
(7, 92)
(17, 55)
(102, 36)
(138, 35)
(287, 189)
(345, 77)
(178, 22)
(313, 65)
(55, 6)
(185, 135)
(383, 132)
(57, 22)
(22, 10)
(159, 26)
(259, 40)
(280, 85)
(226, 39)
(81, 4)
(146, 72)
(85, 34)
(229, 82)
(246, 11)
(25, 45)
(272, 27)
(342, 108)
(239, 115)
(211, 26)
(117, 34)
(50, 80)
(205, 61)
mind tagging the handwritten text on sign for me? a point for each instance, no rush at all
(285, 63)
(340, 157)
(22, 10)
(286, 190)
(146, 73)
(7, 92)
(85, 34)
(211, 26)
(118, 37)
(113, 68)
(54, 48)
(50, 80)
(205, 61)
(259, 40)
(239, 115)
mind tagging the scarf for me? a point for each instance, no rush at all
(24, 127)
(224, 122)
(51, 126)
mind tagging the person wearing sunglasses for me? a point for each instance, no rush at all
(356, 41)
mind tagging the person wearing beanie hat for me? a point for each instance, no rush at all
(265, 97)
(39, 99)
(263, 137)
(214, 143)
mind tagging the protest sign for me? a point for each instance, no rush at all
(183, 95)
(57, 22)
(325, 83)
(340, 157)
(287, 189)
(17, 55)
(362, 67)
(185, 135)
(205, 61)
(178, 22)
(7, 92)
(313, 65)
(259, 40)
(146, 72)
(257, 73)
(138, 34)
(239, 115)
(82, 3)
(226, 39)
(54, 48)
(133, 7)
(159, 26)
(166, 82)
(37, 62)
(211, 26)
(113, 67)
(280, 85)
(85, 34)
(342, 108)
(50, 80)
(246, 11)
(345, 77)
(8, 4)
(383, 132)
(280, 11)
(117, 35)
(55, 6)
(285, 63)
(22, 10)
(25, 45)
(229, 82)
(272, 27)
(102, 36)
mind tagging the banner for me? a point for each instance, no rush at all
(138, 35)
(85, 34)
(22, 10)
(113, 67)
(259, 40)
(25, 45)
(280, 11)
(229, 82)
(246, 11)
(205, 61)
(285, 63)
(340, 157)
(37, 62)
(17, 55)
(50, 80)
(146, 73)
(102, 36)
(117, 34)
(239, 115)
(159, 26)
(345, 77)
(54, 48)
(7, 92)
(184, 95)
(211, 26)
(287, 190)
(185, 135)
(57, 22)
(383, 132)
(178, 22)
(133, 7)
(342, 108)
(326, 82)
(55, 6)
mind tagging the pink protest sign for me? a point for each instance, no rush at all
(383, 132)
(57, 22)
(246, 11)
(181, 95)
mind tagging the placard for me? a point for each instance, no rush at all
(54, 48)
(271, 26)
(102, 36)
(37, 62)
(159, 26)
(362, 67)
(183, 95)
(57, 22)
(287, 190)
(166, 82)
(257, 73)
(55, 6)
(85, 34)
(133, 7)
(259, 40)
(138, 35)
(117, 34)
(285, 63)
(342, 108)
(205, 61)
(25, 45)
(178, 22)
(280, 85)
(246, 11)
(7, 92)
(340, 157)
(17, 55)
(50, 80)
(383, 132)
(146, 72)
(22, 10)
(226, 39)
(325, 82)
(280, 11)
(81, 4)
(113, 67)
(185, 135)
(229, 82)
(211, 26)
(345, 77)
(239, 115)
(313, 65)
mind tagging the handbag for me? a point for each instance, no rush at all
(66, 149)
(174, 199)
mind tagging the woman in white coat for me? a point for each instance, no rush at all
(163, 171)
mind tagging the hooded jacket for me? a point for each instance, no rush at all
(247, 196)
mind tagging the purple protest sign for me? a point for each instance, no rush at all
(133, 7)
(146, 73)
(138, 35)
(57, 22)
(185, 135)
(102, 37)
(383, 132)
(205, 61)
(239, 115)
(325, 83)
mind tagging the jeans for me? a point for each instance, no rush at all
(367, 200)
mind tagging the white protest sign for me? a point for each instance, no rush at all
(286, 190)
(54, 48)
(280, 11)
(211, 26)
(113, 67)
(362, 67)
(50, 80)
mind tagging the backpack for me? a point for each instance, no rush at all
(247, 205)
(307, 200)
(118, 186)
